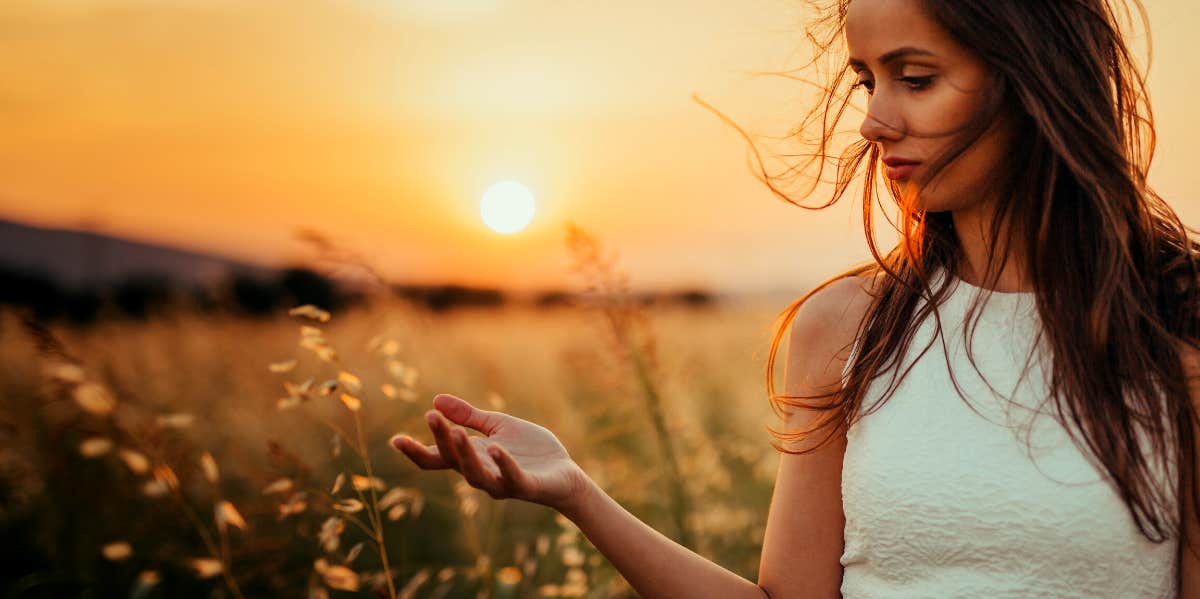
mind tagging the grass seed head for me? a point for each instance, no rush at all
(350, 382)
(226, 514)
(116, 551)
(330, 533)
(337, 577)
(178, 420)
(284, 366)
(135, 461)
(310, 311)
(94, 447)
(94, 398)
(209, 466)
(354, 403)
(282, 485)
(205, 567)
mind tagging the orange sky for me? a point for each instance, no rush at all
(224, 126)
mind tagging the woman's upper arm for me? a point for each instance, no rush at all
(803, 542)
(1189, 563)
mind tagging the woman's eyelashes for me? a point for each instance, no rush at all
(913, 83)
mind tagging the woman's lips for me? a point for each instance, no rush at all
(901, 171)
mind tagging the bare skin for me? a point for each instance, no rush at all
(517, 458)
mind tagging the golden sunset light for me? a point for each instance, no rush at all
(293, 291)
(507, 207)
(362, 119)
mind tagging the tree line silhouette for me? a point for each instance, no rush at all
(141, 297)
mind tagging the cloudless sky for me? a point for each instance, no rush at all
(224, 126)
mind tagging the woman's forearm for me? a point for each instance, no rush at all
(654, 565)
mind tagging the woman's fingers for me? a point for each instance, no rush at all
(465, 414)
(426, 456)
(453, 447)
(473, 467)
(441, 435)
(513, 478)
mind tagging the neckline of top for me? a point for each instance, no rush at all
(1005, 303)
(994, 292)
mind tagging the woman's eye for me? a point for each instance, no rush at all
(914, 83)
(917, 82)
(867, 84)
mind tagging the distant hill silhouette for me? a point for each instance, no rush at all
(81, 259)
(83, 276)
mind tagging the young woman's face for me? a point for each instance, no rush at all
(922, 88)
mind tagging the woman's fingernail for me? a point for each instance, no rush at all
(398, 441)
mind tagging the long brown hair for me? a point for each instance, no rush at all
(1113, 266)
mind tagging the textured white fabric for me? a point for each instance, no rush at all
(941, 502)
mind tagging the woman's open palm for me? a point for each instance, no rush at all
(516, 459)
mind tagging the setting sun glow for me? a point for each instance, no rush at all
(507, 207)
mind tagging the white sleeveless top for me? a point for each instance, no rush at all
(941, 502)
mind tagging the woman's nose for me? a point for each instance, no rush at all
(879, 125)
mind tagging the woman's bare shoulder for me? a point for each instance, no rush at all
(838, 307)
(824, 330)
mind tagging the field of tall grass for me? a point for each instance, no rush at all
(213, 456)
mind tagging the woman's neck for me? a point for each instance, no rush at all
(972, 226)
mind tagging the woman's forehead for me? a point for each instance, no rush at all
(875, 28)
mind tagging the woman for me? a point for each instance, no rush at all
(1026, 347)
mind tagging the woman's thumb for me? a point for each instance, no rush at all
(458, 411)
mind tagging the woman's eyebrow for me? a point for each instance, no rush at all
(891, 55)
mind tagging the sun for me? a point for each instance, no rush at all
(507, 207)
